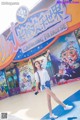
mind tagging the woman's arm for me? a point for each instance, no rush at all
(44, 63)
(37, 84)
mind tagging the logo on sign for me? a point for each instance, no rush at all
(22, 14)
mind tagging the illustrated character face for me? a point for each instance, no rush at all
(25, 77)
(70, 55)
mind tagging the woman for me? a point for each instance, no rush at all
(42, 76)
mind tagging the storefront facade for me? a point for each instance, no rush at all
(56, 27)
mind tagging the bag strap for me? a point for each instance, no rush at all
(39, 77)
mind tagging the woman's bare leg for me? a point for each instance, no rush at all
(55, 97)
(49, 104)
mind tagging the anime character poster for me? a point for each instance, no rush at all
(26, 76)
(3, 86)
(12, 79)
(65, 58)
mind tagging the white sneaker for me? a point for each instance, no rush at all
(68, 107)
(53, 116)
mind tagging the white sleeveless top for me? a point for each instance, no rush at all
(44, 76)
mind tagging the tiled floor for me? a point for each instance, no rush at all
(30, 107)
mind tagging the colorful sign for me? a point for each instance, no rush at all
(42, 26)
(37, 33)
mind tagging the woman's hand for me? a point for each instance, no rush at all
(48, 51)
(47, 54)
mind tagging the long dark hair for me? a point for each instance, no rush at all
(35, 69)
